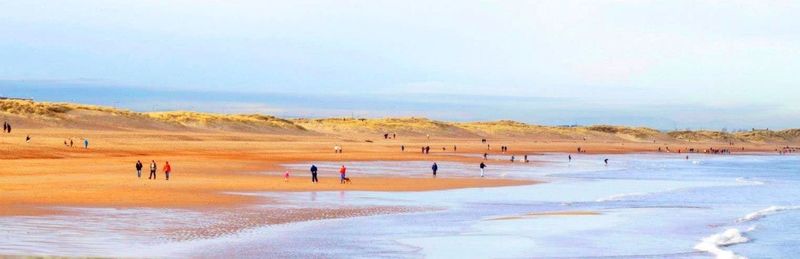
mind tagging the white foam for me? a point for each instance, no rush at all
(765, 212)
(617, 197)
(749, 181)
(713, 244)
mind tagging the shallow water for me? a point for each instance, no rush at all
(649, 205)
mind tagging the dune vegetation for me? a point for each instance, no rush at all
(48, 109)
(214, 120)
(48, 114)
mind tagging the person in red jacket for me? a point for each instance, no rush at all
(342, 172)
(167, 169)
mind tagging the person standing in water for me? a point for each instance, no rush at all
(606, 161)
(569, 157)
(167, 169)
(153, 168)
(482, 166)
(314, 174)
(342, 174)
(138, 168)
(435, 168)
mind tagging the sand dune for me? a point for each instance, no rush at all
(65, 115)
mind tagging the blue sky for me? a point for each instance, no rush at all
(663, 64)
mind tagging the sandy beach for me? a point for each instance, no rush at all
(45, 173)
(228, 170)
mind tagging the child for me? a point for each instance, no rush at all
(286, 176)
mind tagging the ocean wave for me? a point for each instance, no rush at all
(749, 181)
(713, 244)
(617, 197)
(765, 212)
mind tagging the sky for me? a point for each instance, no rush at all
(662, 64)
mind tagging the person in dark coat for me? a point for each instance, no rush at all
(138, 168)
(435, 168)
(314, 174)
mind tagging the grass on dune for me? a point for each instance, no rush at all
(48, 109)
(380, 125)
(409, 125)
(208, 119)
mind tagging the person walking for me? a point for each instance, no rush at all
(9, 128)
(606, 161)
(153, 168)
(28, 139)
(483, 166)
(167, 169)
(314, 174)
(435, 168)
(402, 148)
(569, 157)
(286, 176)
(342, 174)
(138, 168)
(5, 126)
(86, 143)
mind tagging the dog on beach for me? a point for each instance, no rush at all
(347, 180)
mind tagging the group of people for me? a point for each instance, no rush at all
(709, 150)
(153, 168)
(6, 127)
(387, 136)
(787, 150)
(503, 149)
(337, 149)
(314, 170)
(69, 143)
(435, 168)
(426, 149)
